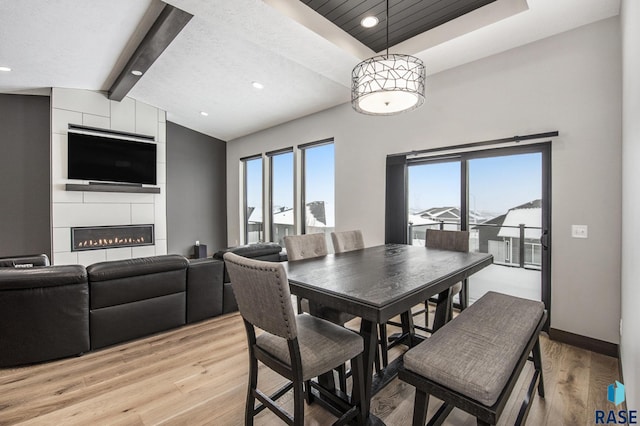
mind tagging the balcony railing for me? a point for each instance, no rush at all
(515, 251)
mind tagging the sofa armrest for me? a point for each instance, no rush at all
(204, 289)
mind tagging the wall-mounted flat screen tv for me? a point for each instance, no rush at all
(103, 158)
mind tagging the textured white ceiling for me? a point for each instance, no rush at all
(303, 61)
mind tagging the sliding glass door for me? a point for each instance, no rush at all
(505, 217)
(501, 196)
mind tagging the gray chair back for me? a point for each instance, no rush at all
(262, 291)
(305, 246)
(447, 240)
(347, 241)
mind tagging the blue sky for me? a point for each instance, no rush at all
(495, 184)
(320, 176)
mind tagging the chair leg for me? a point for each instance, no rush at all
(464, 295)
(308, 395)
(342, 377)
(426, 314)
(420, 405)
(298, 404)
(357, 368)
(537, 362)
(251, 391)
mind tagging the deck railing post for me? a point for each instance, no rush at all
(522, 245)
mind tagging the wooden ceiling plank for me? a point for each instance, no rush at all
(407, 18)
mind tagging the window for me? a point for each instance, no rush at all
(281, 201)
(434, 198)
(298, 193)
(318, 188)
(253, 223)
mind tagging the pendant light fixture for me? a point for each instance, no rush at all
(388, 84)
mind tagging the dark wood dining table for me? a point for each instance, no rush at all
(377, 284)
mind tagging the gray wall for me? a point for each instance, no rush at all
(25, 171)
(571, 83)
(630, 332)
(196, 191)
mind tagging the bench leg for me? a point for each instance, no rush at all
(420, 405)
(537, 362)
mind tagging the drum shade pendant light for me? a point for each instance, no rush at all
(388, 84)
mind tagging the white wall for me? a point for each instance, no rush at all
(570, 83)
(71, 208)
(630, 339)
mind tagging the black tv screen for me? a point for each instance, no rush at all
(93, 157)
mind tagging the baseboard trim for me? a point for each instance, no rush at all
(594, 345)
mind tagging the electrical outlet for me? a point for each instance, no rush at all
(579, 231)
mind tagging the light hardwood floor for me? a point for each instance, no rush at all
(197, 375)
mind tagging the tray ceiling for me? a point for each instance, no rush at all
(407, 18)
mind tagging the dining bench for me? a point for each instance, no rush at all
(475, 360)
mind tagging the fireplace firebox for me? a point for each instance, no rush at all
(104, 237)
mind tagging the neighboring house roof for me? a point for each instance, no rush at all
(317, 215)
(530, 217)
(255, 214)
(530, 205)
(447, 214)
(417, 220)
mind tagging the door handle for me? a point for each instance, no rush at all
(544, 239)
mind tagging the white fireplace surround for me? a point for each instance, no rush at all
(79, 208)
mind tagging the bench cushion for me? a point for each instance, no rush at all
(477, 352)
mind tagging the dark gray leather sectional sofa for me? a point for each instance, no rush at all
(50, 312)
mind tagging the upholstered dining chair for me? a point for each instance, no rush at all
(298, 347)
(346, 241)
(447, 240)
(307, 246)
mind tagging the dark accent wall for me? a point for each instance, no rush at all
(196, 191)
(25, 175)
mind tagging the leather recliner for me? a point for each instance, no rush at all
(136, 297)
(43, 310)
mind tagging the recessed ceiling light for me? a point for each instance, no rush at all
(6, 69)
(369, 21)
(204, 114)
(137, 73)
(257, 85)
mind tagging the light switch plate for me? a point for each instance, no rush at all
(579, 231)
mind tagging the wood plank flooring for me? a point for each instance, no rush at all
(197, 375)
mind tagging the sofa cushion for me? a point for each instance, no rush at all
(126, 281)
(110, 270)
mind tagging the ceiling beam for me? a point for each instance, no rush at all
(163, 31)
